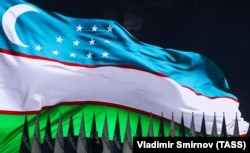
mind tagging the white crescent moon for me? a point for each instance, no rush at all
(9, 21)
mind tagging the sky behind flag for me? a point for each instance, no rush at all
(76, 46)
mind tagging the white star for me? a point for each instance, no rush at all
(76, 43)
(109, 28)
(92, 41)
(89, 55)
(105, 54)
(38, 47)
(94, 28)
(55, 52)
(72, 55)
(79, 28)
(59, 39)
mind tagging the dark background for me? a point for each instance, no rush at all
(218, 29)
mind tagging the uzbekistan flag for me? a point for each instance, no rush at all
(51, 63)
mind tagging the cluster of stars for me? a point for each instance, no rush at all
(76, 43)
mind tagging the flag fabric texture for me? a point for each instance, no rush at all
(52, 62)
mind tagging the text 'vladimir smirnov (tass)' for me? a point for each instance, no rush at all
(196, 144)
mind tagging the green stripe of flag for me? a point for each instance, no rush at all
(11, 130)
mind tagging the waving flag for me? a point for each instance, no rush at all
(48, 59)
